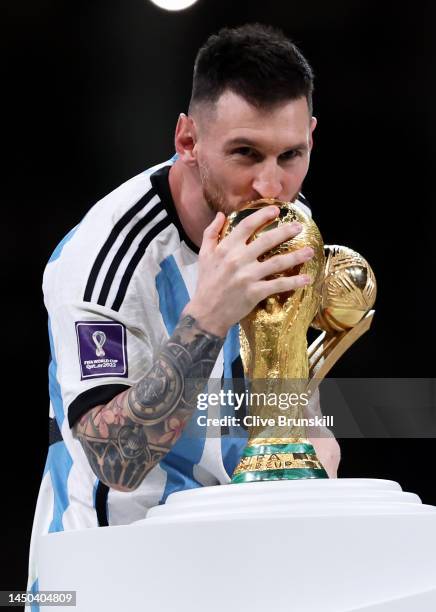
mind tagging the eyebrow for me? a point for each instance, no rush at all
(251, 143)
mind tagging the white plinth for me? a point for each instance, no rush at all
(344, 545)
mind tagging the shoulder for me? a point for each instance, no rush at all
(104, 236)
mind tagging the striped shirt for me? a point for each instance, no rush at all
(114, 289)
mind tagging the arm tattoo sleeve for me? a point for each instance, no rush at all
(127, 437)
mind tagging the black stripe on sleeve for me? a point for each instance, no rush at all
(224, 428)
(123, 250)
(91, 398)
(101, 504)
(54, 433)
(118, 227)
(159, 227)
(239, 387)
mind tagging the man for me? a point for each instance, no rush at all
(136, 309)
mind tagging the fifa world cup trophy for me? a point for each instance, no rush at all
(276, 358)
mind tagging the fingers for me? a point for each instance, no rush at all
(266, 288)
(272, 238)
(246, 228)
(212, 232)
(268, 239)
(281, 263)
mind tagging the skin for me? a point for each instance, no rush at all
(229, 153)
(127, 437)
(234, 153)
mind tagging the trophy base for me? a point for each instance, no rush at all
(346, 545)
(280, 474)
(271, 460)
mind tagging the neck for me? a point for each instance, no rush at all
(192, 209)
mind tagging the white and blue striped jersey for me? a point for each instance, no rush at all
(114, 289)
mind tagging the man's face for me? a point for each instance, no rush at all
(244, 153)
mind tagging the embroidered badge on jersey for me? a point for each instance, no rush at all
(102, 349)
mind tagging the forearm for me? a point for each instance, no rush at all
(128, 436)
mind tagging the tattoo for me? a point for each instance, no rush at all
(127, 437)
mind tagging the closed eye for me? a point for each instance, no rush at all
(249, 152)
(291, 154)
(245, 152)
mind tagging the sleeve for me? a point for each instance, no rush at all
(98, 350)
(96, 355)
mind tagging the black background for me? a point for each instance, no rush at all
(93, 92)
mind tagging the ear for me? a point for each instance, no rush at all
(185, 139)
(313, 123)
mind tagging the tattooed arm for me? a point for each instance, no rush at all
(127, 437)
(124, 439)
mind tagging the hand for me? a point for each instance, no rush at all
(322, 439)
(231, 280)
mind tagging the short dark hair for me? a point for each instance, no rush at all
(255, 61)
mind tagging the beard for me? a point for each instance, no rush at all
(213, 193)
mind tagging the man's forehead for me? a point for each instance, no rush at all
(233, 103)
(236, 121)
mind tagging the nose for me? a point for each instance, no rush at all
(267, 181)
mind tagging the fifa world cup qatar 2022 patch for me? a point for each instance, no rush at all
(102, 349)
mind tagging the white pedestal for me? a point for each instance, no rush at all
(344, 545)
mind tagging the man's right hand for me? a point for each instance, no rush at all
(231, 280)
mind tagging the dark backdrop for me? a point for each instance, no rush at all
(94, 90)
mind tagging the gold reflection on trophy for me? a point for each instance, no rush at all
(348, 293)
(274, 343)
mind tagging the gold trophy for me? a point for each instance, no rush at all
(274, 351)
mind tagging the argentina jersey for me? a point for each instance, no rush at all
(114, 289)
